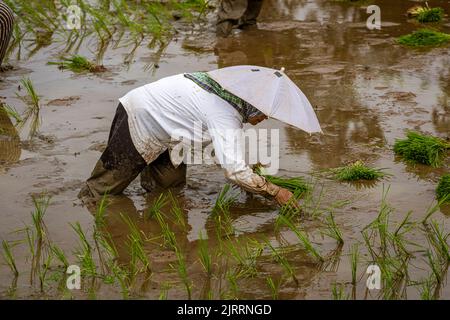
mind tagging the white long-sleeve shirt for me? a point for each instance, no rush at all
(162, 113)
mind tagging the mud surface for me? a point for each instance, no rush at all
(367, 91)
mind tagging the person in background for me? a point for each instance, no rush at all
(6, 29)
(239, 13)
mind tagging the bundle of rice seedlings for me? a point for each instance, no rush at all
(419, 148)
(426, 14)
(443, 189)
(77, 64)
(357, 171)
(296, 185)
(424, 38)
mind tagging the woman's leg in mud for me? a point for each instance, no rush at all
(162, 174)
(119, 164)
(230, 11)
(252, 12)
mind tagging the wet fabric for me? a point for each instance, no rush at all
(120, 163)
(245, 109)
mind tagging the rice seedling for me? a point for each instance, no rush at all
(419, 148)
(78, 64)
(278, 257)
(394, 273)
(60, 255)
(84, 253)
(354, 258)
(424, 38)
(426, 292)
(303, 237)
(44, 270)
(9, 258)
(246, 260)
(136, 247)
(290, 210)
(432, 210)
(338, 292)
(443, 189)
(182, 272)
(357, 171)
(122, 276)
(332, 260)
(438, 239)
(426, 14)
(41, 204)
(177, 212)
(225, 200)
(163, 295)
(12, 113)
(296, 185)
(204, 255)
(157, 205)
(32, 113)
(435, 266)
(168, 235)
(274, 287)
(333, 230)
(232, 282)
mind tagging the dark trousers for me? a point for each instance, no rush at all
(6, 28)
(237, 12)
(121, 163)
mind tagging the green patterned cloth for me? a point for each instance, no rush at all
(245, 109)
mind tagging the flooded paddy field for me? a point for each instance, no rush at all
(367, 90)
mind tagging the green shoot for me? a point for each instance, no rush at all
(157, 205)
(59, 254)
(354, 257)
(224, 200)
(283, 261)
(333, 230)
(274, 287)
(177, 212)
(443, 189)
(9, 258)
(32, 113)
(303, 239)
(205, 256)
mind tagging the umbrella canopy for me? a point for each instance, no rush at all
(272, 92)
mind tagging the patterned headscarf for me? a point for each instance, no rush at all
(245, 109)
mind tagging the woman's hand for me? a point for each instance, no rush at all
(284, 197)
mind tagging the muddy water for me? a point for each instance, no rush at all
(366, 90)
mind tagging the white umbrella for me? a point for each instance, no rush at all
(272, 92)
